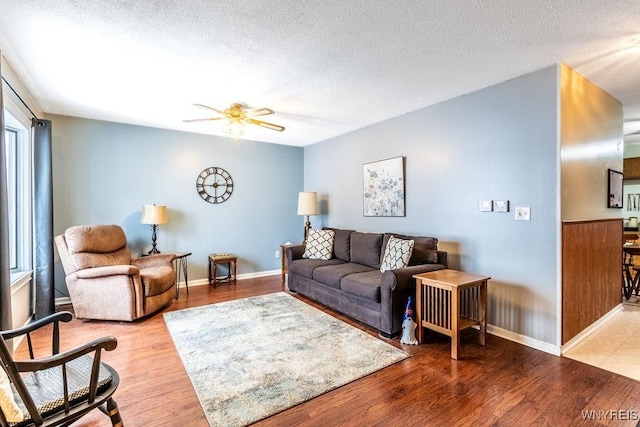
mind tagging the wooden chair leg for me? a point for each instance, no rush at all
(635, 285)
(627, 281)
(114, 413)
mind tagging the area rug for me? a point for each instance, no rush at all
(251, 358)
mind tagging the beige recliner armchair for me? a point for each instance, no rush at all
(105, 283)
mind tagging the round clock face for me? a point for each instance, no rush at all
(214, 185)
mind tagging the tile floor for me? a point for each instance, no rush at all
(615, 346)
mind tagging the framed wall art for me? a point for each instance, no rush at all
(614, 194)
(383, 187)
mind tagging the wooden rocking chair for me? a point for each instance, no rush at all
(59, 389)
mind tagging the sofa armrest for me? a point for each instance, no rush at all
(154, 260)
(402, 278)
(111, 270)
(442, 258)
(294, 252)
(396, 286)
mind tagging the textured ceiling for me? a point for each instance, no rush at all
(326, 68)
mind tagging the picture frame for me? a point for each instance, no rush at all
(615, 189)
(383, 188)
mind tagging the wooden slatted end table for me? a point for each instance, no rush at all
(450, 301)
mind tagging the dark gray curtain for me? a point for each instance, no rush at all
(43, 218)
(5, 266)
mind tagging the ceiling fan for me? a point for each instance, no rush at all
(631, 126)
(237, 116)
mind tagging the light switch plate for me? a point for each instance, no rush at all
(485, 205)
(523, 214)
(501, 206)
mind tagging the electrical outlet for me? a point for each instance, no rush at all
(277, 254)
(523, 214)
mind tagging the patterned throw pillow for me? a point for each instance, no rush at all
(8, 404)
(396, 254)
(319, 244)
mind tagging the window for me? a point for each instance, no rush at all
(18, 169)
(11, 145)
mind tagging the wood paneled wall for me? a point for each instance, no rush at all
(591, 272)
(632, 168)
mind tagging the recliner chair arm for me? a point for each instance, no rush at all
(153, 260)
(111, 270)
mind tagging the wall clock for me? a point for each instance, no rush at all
(214, 185)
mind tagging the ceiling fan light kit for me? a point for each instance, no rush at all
(234, 128)
(236, 117)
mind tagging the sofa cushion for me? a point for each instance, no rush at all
(330, 275)
(95, 238)
(425, 249)
(396, 254)
(341, 244)
(96, 246)
(319, 244)
(365, 248)
(8, 404)
(364, 285)
(84, 260)
(304, 267)
(157, 280)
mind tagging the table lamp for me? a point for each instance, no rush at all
(307, 205)
(154, 215)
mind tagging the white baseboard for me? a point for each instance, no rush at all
(524, 340)
(591, 328)
(199, 282)
(493, 330)
(63, 301)
(202, 282)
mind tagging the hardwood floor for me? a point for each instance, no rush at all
(504, 383)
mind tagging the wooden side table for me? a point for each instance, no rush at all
(181, 266)
(449, 301)
(222, 258)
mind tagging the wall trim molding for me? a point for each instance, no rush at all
(62, 301)
(492, 329)
(198, 282)
(591, 328)
(524, 340)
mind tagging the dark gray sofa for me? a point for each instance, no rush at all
(351, 282)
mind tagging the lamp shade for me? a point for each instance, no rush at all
(154, 214)
(308, 203)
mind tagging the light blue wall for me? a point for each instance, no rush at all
(499, 143)
(104, 172)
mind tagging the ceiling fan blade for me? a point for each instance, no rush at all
(202, 120)
(260, 112)
(266, 125)
(209, 108)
